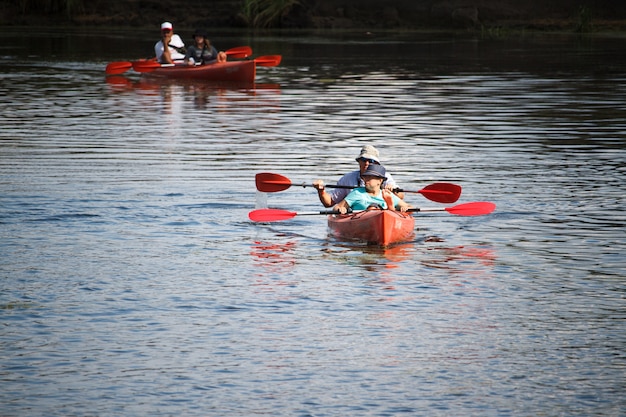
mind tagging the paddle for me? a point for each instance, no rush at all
(467, 209)
(239, 52)
(268, 60)
(118, 67)
(440, 192)
(148, 66)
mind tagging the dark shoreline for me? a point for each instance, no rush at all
(479, 15)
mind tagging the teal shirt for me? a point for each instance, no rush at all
(359, 199)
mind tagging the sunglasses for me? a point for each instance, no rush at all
(370, 161)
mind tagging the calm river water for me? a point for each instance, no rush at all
(133, 283)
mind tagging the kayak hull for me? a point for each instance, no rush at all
(377, 227)
(229, 71)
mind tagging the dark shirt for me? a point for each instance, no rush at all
(204, 55)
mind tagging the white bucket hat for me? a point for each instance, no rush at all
(369, 152)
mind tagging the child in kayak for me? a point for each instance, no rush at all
(372, 195)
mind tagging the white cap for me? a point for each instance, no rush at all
(166, 25)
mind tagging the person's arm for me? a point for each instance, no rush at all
(400, 194)
(342, 206)
(398, 203)
(219, 56)
(390, 184)
(166, 57)
(188, 59)
(403, 206)
(324, 197)
(350, 180)
(158, 50)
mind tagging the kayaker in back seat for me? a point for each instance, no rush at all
(202, 52)
(368, 156)
(362, 198)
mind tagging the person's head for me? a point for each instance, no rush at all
(200, 36)
(368, 156)
(166, 29)
(374, 176)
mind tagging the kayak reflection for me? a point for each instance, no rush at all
(124, 84)
(276, 257)
(199, 93)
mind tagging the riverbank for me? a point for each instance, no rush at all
(559, 15)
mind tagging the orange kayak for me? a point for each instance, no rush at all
(378, 227)
(229, 71)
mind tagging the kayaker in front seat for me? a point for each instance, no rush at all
(175, 51)
(368, 156)
(202, 52)
(362, 198)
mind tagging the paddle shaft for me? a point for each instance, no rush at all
(149, 66)
(329, 212)
(467, 209)
(395, 190)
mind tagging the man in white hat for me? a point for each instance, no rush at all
(175, 51)
(368, 155)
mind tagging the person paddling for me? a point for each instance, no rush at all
(367, 157)
(372, 195)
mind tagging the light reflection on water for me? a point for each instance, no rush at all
(133, 280)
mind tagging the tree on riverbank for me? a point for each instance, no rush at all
(582, 15)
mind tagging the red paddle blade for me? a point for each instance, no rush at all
(442, 192)
(145, 66)
(472, 209)
(271, 215)
(268, 60)
(271, 183)
(239, 52)
(118, 67)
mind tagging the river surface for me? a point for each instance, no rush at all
(134, 284)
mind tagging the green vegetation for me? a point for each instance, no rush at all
(69, 7)
(266, 13)
(497, 18)
(494, 32)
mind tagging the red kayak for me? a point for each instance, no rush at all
(378, 227)
(229, 71)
